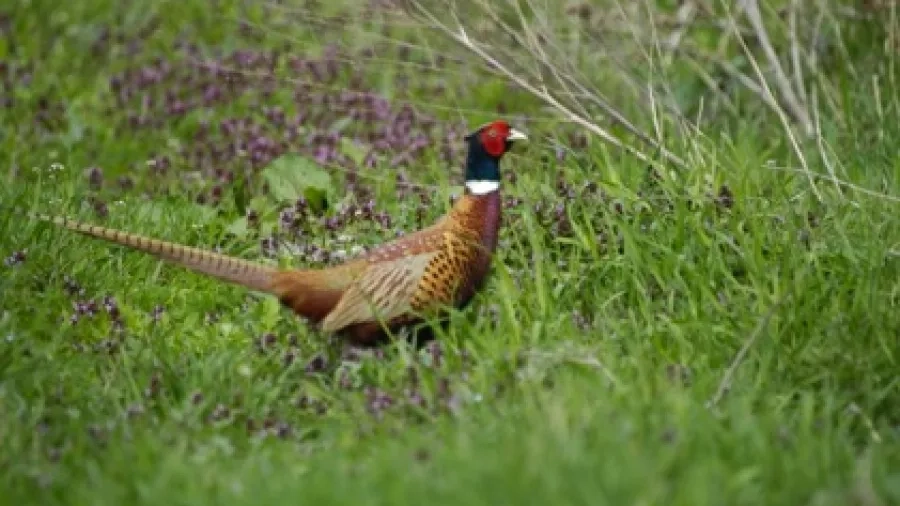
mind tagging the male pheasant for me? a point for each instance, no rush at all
(395, 284)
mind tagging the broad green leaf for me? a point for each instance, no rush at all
(293, 176)
(352, 150)
(238, 227)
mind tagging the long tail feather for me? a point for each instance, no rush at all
(252, 275)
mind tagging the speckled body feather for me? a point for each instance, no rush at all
(395, 284)
(440, 266)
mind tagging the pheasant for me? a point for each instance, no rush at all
(396, 284)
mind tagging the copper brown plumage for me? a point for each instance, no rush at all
(396, 283)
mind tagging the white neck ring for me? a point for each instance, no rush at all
(482, 187)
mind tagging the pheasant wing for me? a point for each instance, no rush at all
(423, 241)
(382, 292)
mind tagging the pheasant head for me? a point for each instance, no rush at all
(487, 145)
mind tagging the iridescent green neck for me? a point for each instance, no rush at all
(482, 169)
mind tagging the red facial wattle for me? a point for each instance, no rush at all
(493, 138)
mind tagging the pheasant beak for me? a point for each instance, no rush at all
(515, 135)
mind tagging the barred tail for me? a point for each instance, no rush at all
(252, 275)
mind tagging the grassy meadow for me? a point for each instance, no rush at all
(695, 300)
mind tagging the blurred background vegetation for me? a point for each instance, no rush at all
(695, 300)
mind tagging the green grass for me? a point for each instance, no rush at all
(581, 375)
